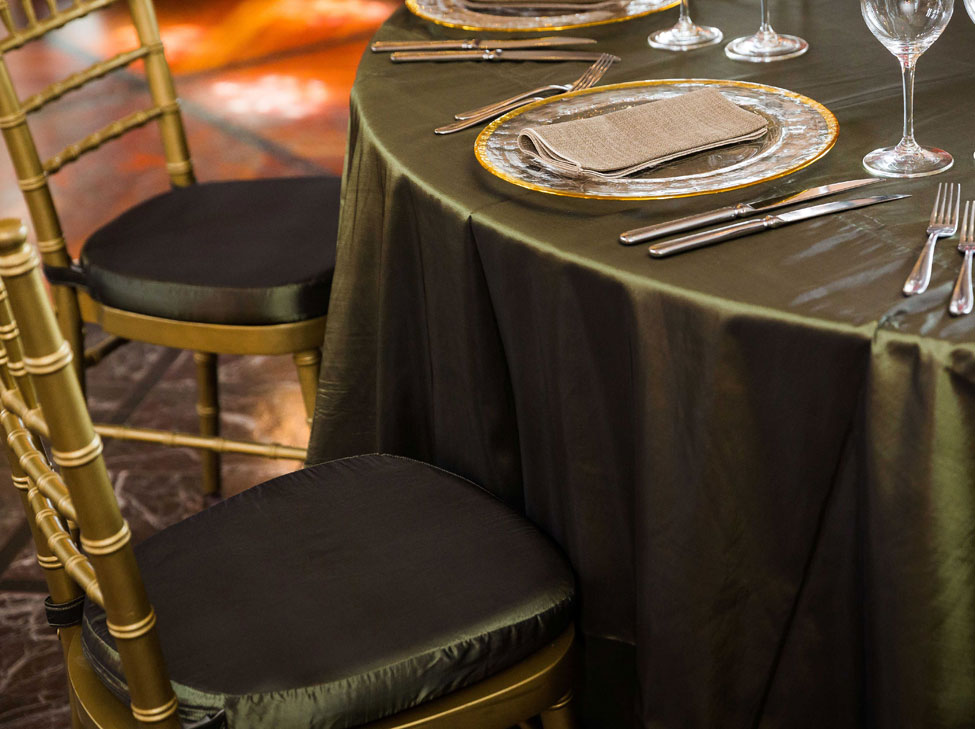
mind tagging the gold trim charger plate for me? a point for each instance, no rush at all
(800, 131)
(455, 14)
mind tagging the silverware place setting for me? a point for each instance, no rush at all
(962, 300)
(472, 44)
(768, 222)
(946, 218)
(733, 212)
(592, 75)
(495, 55)
(943, 224)
(473, 117)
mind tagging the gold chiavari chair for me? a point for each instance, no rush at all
(239, 267)
(372, 591)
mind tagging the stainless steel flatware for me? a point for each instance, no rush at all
(497, 55)
(468, 123)
(733, 212)
(962, 299)
(737, 230)
(943, 223)
(586, 80)
(478, 43)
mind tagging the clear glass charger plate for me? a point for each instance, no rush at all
(454, 14)
(800, 132)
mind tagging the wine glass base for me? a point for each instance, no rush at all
(685, 37)
(765, 48)
(899, 161)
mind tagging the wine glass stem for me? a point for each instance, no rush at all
(685, 14)
(907, 69)
(766, 28)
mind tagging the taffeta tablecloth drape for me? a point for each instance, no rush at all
(759, 457)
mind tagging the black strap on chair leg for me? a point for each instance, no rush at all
(64, 614)
(72, 275)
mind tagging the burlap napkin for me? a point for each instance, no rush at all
(631, 140)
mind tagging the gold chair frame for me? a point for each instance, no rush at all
(301, 339)
(83, 543)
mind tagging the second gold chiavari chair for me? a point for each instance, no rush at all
(372, 591)
(240, 267)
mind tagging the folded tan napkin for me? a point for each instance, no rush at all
(631, 140)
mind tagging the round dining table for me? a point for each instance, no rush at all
(759, 457)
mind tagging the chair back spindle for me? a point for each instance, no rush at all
(104, 567)
(33, 172)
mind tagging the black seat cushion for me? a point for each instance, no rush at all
(341, 594)
(247, 252)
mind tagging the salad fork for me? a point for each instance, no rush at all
(943, 223)
(597, 69)
(585, 81)
(962, 300)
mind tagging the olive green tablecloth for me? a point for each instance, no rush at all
(759, 457)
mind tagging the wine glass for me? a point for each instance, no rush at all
(685, 36)
(970, 7)
(907, 28)
(766, 45)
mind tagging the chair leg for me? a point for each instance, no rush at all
(75, 718)
(560, 715)
(208, 410)
(72, 328)
(309, 364)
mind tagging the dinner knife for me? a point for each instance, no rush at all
(733, 212)
(476, 43)
(747, 227)
(498, 55)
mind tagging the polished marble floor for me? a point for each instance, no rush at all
(265, 86)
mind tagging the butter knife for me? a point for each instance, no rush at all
(733, 212)
(747, 227)
(475, 43)
(498, 55)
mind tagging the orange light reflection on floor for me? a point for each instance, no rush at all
(284, 97)
(256, 28)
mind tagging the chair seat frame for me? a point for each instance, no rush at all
(216, 338)
(540, 685)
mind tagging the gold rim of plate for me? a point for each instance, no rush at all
(414, 8)
(480, 144)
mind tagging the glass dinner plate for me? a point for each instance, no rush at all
(800, 131)
(454, 14)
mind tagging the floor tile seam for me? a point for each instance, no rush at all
(140, 391)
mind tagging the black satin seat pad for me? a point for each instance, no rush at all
(343, 593)
(242, 252)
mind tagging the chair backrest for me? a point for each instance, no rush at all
(32, 172)
(82, 541)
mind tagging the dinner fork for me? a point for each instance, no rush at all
(962, 300)
(943, 223)
(588, 79)
(597, 69)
